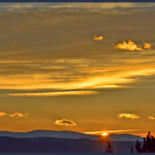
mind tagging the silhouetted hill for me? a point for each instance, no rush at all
(125, 137)
(48, 134)
(67, 135)
(62, 141)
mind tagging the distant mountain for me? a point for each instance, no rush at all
(77, 0)
(48, 133)
(62, 141)
(125, 137)
(67, 135)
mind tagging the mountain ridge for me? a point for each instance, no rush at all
(65, 134)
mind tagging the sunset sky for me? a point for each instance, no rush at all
(80, 67)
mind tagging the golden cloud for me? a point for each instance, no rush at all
(16, 114)
(19, 115)
(65, 122)
(128, 116)
(130, 46)
(147, 46)
(98, 38)
(64, 93)
(3, 114)
(105, 81)
(151, 117)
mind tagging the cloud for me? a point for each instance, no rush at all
(87, 80)
(130, 46)
(3, 114)
(87, 7)
(16, 115)
(98, 38)
(19, 115)
(65, 122)
(151, 117)
(89, 67)
(128, 116)
(147, 46)
(64, 93)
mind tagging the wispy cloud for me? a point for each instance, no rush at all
(64, 93)
(19, 115)
(151, 117)
(128, 116)
(3, 114)
(65, 122)
(14, 115)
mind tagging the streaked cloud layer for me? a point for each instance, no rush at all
(60, 70)
(89, 6)
(64, 93)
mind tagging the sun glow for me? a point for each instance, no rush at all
(105, 134)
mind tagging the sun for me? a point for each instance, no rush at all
(104, 134)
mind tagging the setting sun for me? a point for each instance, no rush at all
(104, 134)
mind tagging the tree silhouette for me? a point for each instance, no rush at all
(138, 146)
(132, 149)
(109, 148)
(148, 144)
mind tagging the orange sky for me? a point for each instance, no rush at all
(86, 69)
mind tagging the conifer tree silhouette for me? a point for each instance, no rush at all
(148, 145)
(109, 147)
(132, 149)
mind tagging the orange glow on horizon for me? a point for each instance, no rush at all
(105, 134)
(108, 132)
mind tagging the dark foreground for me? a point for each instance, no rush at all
(77, 0)
(74, 153)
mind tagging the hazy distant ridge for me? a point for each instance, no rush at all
(62, 141)
(46, 133)
(67, 135)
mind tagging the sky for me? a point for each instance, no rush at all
(80, 67)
